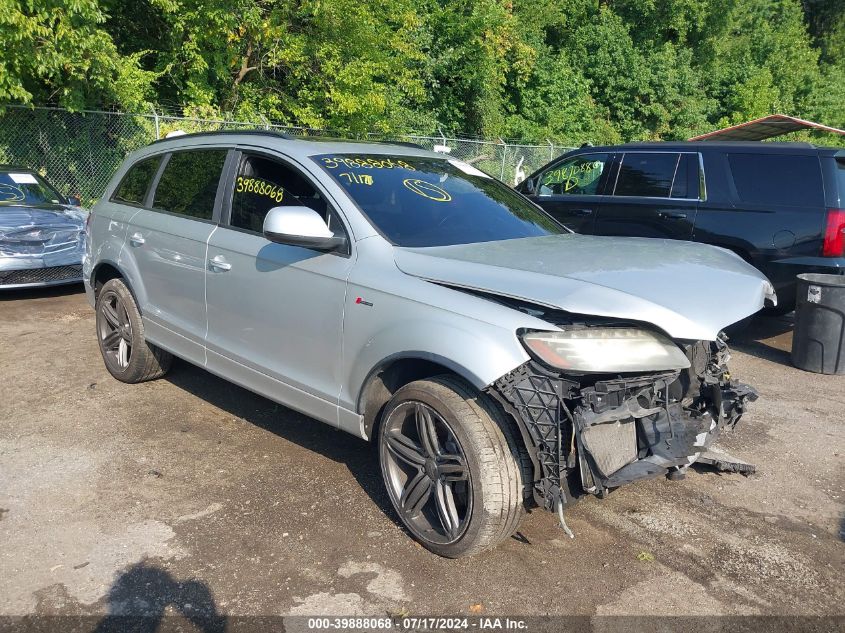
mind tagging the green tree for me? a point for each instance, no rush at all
(56, 51)
(571, 70)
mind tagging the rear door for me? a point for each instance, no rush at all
(570, 189)
(654, 194)
(168, 246)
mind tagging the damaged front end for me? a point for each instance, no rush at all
(589, 433)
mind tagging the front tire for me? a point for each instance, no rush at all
(453, 470)
(120, 333)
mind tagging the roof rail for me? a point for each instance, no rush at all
(228, 132)
(282, 135)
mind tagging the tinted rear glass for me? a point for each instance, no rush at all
(188, 184)
(422, 201)
(840, 179)
(133, 188)
(647, 175)
(685, 184)
(777, 179)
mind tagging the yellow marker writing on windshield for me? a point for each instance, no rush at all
(11, 193)
(361, 179)
(427, 190)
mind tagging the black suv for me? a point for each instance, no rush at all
(780, 206)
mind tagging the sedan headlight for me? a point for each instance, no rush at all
(605, 350)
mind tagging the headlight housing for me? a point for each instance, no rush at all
(605, 350)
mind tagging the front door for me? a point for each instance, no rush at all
(168, 244)
(275, 312)
(655, 195)
(570, 190)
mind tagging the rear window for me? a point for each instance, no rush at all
(649, 175)
(778, 179)
(188, 185)
(840, 179)
(135, 184)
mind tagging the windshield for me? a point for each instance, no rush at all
(420, 201)
(26, 189)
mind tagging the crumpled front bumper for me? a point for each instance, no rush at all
(587, 435)
(61, 265)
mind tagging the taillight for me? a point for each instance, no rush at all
(834, 234)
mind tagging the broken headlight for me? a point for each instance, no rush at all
(605, 350)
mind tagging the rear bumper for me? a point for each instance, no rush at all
(829, 264)
(783, 272)
(588, 435)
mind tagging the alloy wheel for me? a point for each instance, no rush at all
(115, 330)
(426, 473)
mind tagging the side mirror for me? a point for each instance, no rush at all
(301, 226)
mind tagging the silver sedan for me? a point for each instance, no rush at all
(42, 236)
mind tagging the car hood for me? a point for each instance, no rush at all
(691, 291)
(20, 217)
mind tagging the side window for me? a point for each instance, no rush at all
(578, 175)
(645, 174)
(188, 185)
(135, 184)
(686, 181)
(263, 183)
(778, 179)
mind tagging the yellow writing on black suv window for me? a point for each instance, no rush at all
(572, 176)
(259, 187)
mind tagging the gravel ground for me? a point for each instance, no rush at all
(194, 493)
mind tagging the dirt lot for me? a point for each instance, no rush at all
(195, 493)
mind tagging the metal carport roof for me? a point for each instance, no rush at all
(763, 128)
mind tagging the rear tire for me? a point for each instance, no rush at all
(452, 466)
(120, 334)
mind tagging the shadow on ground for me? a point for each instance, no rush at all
(766, 337)
(138, 599)
(359, 457)
(47, 292)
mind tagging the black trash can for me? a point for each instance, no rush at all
(818, 343)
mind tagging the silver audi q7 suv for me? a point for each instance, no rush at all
(498, 361)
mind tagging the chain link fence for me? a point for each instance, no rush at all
(79, 151)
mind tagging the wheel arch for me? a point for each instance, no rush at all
(107, 270)
(396, 371)
(104, 271)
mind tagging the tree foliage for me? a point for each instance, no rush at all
(571, 70)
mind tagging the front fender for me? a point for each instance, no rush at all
(479, 354)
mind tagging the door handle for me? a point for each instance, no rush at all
(219, 262)
(137, 239)
(672, 215)
(582, 212)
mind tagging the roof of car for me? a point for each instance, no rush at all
(741, 146)
(305, 144)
